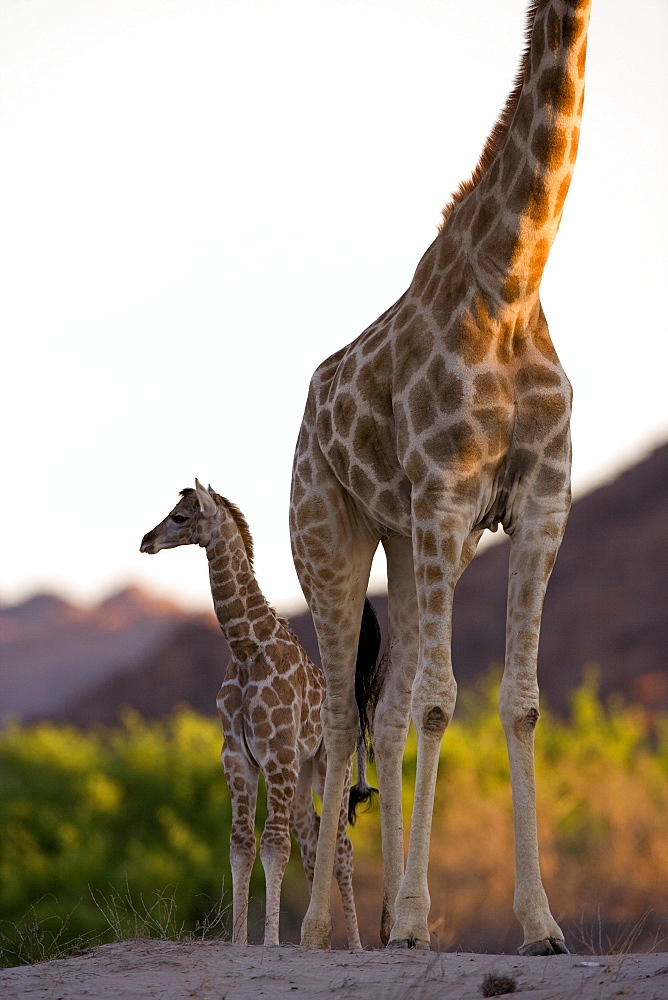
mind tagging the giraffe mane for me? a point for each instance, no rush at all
(497, 137)
(237, 516)
(242, 525)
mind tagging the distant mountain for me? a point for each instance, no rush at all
(51, 652)
(606, 606)
(185, 667)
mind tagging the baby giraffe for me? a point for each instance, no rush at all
(269, 705)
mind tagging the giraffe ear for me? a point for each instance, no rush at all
(207, 504)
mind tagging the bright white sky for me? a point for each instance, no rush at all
(202, 199)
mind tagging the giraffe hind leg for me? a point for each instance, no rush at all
(242, 779)
(275, 843)
(343, 864)
(304, 820)
(391, 716)
(333, 556)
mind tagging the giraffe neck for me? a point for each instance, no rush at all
(511, 210)
(243, 613)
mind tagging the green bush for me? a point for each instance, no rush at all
(115, 828)
(115, 832)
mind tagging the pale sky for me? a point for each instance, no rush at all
(200, 200)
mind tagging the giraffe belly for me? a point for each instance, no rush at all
(451, 464)
(390, 500)
(366, 465)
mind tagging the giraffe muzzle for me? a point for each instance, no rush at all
(148, 545)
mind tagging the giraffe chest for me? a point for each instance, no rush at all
(273, 713)
(460, 432)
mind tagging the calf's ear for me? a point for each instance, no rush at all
(207, 504)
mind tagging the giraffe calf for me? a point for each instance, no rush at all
(269, 704)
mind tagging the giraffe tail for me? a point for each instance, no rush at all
(361, 791)
(366, 671)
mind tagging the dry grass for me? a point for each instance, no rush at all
(497, 984)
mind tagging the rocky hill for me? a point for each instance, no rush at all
(52, 654)
(606, 606)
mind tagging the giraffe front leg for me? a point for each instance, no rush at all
(275, 844)
(242, 781)
(533, 551)
(439, 545)
(410, 928)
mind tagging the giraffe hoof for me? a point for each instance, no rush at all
(316, 935)
(411, 942)
(547, 946)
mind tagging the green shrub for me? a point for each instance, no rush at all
(115, 832)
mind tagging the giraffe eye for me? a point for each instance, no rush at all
(179, 518)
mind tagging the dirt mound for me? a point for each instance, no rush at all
(158, 970)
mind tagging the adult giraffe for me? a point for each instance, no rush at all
(449, 415)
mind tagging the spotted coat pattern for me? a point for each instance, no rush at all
(448, 415)
(269, 704)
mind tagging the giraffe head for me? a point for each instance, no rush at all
(191, 522)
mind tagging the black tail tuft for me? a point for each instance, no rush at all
(366, 670)
(357, 797)
(361, 791)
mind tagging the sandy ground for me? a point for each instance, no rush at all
(159, 970)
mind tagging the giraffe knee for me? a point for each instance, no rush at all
(340, 739)
(526, 723)
(519, 718)
(433, 713)
(242, 849)
(435, 721)
(275, 845)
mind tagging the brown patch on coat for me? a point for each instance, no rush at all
(454, 445)
(413, 347)
(344, 411)
(470, 338)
